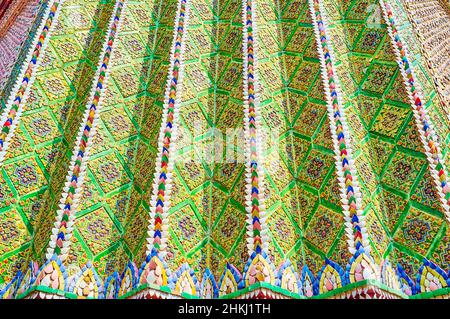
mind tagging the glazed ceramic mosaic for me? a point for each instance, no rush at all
(225, 149)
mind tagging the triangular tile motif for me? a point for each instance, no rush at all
(224, 149)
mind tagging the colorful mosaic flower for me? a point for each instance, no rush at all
(417, 230)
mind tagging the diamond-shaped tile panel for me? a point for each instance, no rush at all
(198, 77)
(359, 10)
(311, 53)
(55, 84)
(390, 120)
(340, 253)
(380, 75)
(179, 190)
(359, 67)
(25, 175)
(291, 9)
(270, 42)
(305, 75)
(410, 137)
(397, 91)
(127, 80)
(134, 45)
(124, 204)
(41, 126)
(316, 166)
(323, 228)
(67, 48)
(301, 204)
(13, 231)
(369, 40)
(391, 206)
(377, 234)
(338, 40)
(15, 262)
(187, 227)
(403, 171)
(227, 173)
(97, 230)
(367, 108)
(331, 192)
(293, 149)
(228, 227)
(126, 153)
(441, 252)
(19, 145)
(426, 192)
(204, 10)
(409, 263)
(214, 200)
(353, 30)
(300, 39)
(191, 170)
(274, 119)
(379, 151)
(36, 98)
(201, 39)
(121, 56)
(386, 51)
(152, 115)
(231, 76)
(291, 104)
(142, 13)
(231, 42)
(366, 174)
(323, 137)
(167, 12)
(313, 258)
(115, 260)
(50, 59)
(174, 256)
(81, 17)
(100, 140)
(128, 22)
(79, 254)
(418, 230)
(202, 202)
(136, 230)
(118, 123)
(282, 229)
(348, 85)
(231, 118)
(6, 193)
(309, 119)
(89, 193)
(194, 119)
(277, 170)
(144, 165)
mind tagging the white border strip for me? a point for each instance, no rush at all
(154, 198)
(71, 222)
(339, 170)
